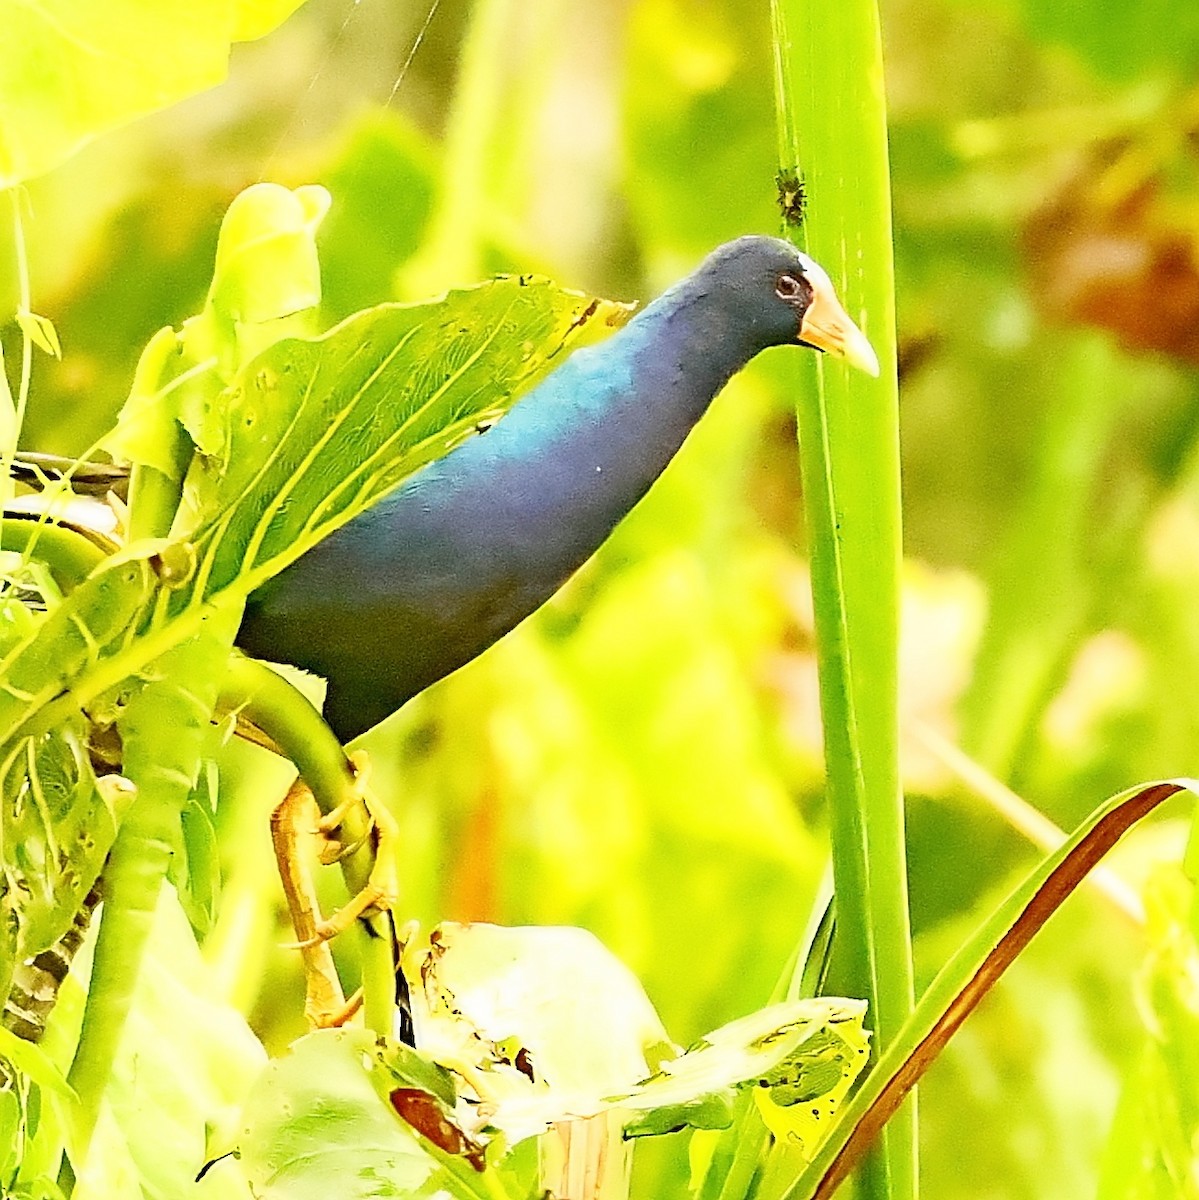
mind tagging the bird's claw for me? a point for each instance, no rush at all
(329, 826)
(337, 1018)
(296, 818)
(381, 892)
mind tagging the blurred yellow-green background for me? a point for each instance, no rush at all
(643, 758)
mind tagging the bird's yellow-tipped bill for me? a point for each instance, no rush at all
(827, 326)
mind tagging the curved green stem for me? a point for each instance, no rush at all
(298, 732)
(70, 555)
(132, 880)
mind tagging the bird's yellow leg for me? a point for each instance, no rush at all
(277, 716)
(294, 821)
(381, 891)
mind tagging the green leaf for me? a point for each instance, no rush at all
(147, 426)
(549, 1027)
(304, 448)
(40, 331)
(30, 1135)
(829, 72)
(95, 623)
(33, 1062)
(315, 1126)
(802, 1057)
(578, 1012)
(266, 263)
(800, 1098)
(72, 71)
(266, 285)
(526, 1029)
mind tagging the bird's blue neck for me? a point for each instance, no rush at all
(644, 388)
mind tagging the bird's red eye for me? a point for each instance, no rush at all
(787, 287)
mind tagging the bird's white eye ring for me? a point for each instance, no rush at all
(787, 287)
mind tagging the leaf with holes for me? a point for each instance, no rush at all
(317, 430)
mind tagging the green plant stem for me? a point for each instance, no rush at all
(153, 500)
(71, 556)
(849, 459)
(280, 711)
(165, 727)
(133, 877)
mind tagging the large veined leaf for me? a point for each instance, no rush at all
(318, 430)
(72, 69)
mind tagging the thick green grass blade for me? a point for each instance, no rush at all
(829, 60)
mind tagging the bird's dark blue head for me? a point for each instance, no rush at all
(779, 296)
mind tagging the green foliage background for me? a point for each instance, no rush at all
(643, 758)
